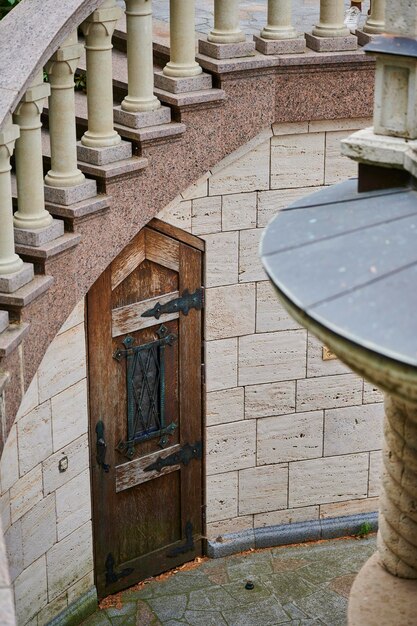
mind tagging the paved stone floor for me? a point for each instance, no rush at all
(252, 14)
(299, 585)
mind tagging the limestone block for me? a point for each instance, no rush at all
(30, 399)
(9, 462)
(76, 317)
(316, 366)
(331, 479)
(69, 414)
(206, 215)
(225, 406)
(80, 587)
(221, 496)
(248, 173)
(73, 504)
(177, 214)
(221, 364)
(226, 526)
(69, 560)
(375, 473)
(25, 493)
(290, 437)
(39, 530)
(290, 128)
(353, 429)
(7, 607)
(328, 392)
(270, 202)
(270, 314)
(371, 393)
(230, 447)
(77, 455)
(198, 190)
(230, 311)
(337, 167)
(272, 357)
(352, 124)
(297, 161)
(64, 363)
(34, 437)
(239, 211)
(14, 548)
(263, 489)
(5, 516)
(270, 399)
(30, 589)
(351, 507)
(288, 516)
(52, 609)
(221, 259)
(250, 266)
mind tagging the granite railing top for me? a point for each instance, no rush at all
(29, 35)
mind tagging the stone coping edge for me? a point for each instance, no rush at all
(77, 611)
(286, 534)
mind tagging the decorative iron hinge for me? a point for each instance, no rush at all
(111, 575)
(188, 546)
(183, 304)
(183, 456)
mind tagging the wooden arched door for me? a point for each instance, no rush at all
(145, 351)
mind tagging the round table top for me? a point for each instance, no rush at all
(348, 261)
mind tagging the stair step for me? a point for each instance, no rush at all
(50, 249)
(26, 294)
(12, 337)
(4, 320)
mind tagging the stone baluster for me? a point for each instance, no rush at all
(279, 35)
(182, 63)
(226, 40)
(65, 183)
(375, 23)
(101, 143)
(140, 107)
(331, 34)
(31, 213)
(10, 262)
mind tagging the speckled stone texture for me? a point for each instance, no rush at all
(331, 44)
(104, 156)
(364, 38)
(226, 50)
(12, 282)
(283, 46)
(71, 195)
(142, 120)
(39, 237)
(182, 85)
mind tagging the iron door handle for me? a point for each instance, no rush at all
(101, 447)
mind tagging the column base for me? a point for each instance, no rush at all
(188, 84)
(104, 156)
(12, 282)
(71, 195)
(331, 44)
(221, 51)
(39, 237)
(142, 119)
(297, 45)
(379, 599)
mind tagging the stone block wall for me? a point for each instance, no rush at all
(291, 435)
(45, 502)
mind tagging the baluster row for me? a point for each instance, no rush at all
(101, 144)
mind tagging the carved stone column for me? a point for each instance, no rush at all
(140, 107)
(182, 63)
(226, 40)
(331, 34)
(279, 36)
(13, 272)
(65, 183)
(375, 23)
(101, 144)
(31, 213)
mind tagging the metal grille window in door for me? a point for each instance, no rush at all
(145, 382)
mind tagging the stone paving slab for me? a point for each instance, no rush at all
(304, 585)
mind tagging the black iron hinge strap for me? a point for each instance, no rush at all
(182, 457)
(183, 304)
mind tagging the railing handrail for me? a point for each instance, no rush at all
(39, 27)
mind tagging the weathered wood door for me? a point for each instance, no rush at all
(145, 351)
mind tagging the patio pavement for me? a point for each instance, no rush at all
(302, 585)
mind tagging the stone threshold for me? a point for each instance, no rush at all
(287, 534)
(77, 611)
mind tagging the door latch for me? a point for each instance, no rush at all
(101, 447)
